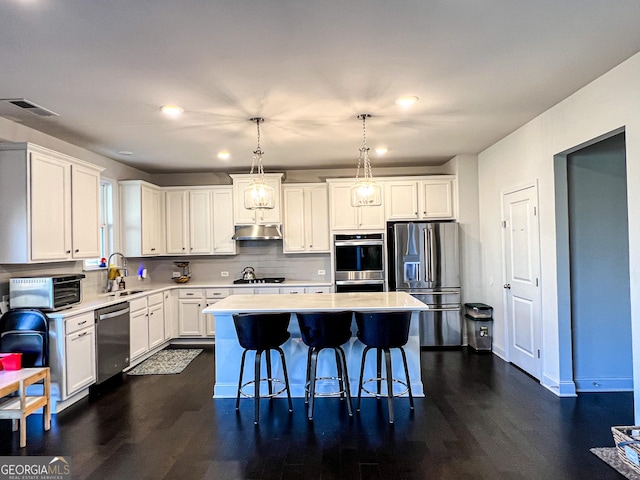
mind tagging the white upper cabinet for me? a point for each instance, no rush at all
(50, 205)
(346, 217)
(223, 226)
(306, 218)
(420, 199)
(177, 217)
(142, 218)
(244, 216)
(401, 200)
(199, 221)
(436, 198)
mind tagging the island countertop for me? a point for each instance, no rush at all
(313, 302)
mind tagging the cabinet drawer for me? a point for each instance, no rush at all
(79, 322)
(155, 299)
(190, 293)
(318, 290)
(267, 291)
(292, 290)
(138, 304)
(217, 293)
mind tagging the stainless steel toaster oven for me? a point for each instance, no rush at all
(49, 293)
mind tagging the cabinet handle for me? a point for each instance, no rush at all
(183, 248)
(310, 246)
(68, 251)
(83, 322)
(77, 250)
(81, 335)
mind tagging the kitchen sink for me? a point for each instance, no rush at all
(124, 293)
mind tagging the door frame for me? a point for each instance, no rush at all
(508, 321)
(565, 382)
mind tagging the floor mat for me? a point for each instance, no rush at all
(609, 455)
(166, 362)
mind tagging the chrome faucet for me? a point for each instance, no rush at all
(123, 268)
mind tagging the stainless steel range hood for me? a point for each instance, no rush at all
(258, 232)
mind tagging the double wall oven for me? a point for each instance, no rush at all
(359, 262)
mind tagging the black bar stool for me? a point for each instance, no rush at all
(320, 330)
(262, 332)
(383, 331)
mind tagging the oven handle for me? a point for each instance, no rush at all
(113, 314)
(356, 243)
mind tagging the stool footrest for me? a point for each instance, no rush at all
(384, 379)
(326, 394)
(267, 395)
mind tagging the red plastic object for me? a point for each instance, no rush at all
(11, 361)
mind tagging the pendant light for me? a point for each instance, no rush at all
(258, 195)
(365, 192)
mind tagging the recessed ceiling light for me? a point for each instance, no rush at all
(125, 152)
(171, 110)
(381, 150)
(406, 101)
(224, 155)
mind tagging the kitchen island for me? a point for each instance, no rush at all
(228, 351)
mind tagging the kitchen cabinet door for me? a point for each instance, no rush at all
(170, 303)
(80, 359)
(190, 317)
(152, 231)
(436, 199)
(401, 200)
(222, 225)
(50, 185)
(177, 229)
(85, 212)
(294, 221)
(317, 219)
(200, 229)
(156, 325)
(139, 333)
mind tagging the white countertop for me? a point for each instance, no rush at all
(94, 302)
(326, 302)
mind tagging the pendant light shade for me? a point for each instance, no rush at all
(258, 195)
(365, 192)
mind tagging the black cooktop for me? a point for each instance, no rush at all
(261, 280)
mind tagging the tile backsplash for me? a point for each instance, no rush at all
(265, 257)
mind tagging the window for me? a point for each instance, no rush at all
(107, 225)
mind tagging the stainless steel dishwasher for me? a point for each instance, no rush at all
(112, 340)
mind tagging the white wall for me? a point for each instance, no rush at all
(610, 102)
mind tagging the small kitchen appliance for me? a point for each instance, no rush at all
(48, 293)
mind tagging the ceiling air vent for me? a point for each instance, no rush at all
(30, 107)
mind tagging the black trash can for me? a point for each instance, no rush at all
(479, 320)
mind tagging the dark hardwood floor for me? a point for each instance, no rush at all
(482, 418)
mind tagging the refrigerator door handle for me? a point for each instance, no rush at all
(428, 242)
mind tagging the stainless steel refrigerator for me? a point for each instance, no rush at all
(424, 261)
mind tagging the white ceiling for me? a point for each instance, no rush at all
(481, 69)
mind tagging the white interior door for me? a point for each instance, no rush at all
(522, 261)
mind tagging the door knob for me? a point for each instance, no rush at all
(507, 285)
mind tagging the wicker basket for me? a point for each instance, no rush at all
(627, 440)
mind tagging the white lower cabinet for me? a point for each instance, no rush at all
(190, 305)
(80, 353)
(317, 289)
(191, 321)
(139, 329)
(156, 320)
(170, 301)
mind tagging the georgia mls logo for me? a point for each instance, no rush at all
(34, 468)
